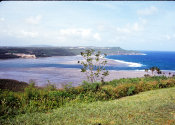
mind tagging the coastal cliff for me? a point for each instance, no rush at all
(22, 55)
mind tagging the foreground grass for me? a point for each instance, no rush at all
(152, 107)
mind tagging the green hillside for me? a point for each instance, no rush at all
(8, 52)
(156, 107)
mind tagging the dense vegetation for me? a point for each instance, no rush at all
(58, 51)
(156, 107)
(34, 99)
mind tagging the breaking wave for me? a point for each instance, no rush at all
(130, 64)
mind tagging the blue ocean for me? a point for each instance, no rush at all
(57, 69)
(163, 60)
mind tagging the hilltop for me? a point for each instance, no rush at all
(97, 104)
(149, 108)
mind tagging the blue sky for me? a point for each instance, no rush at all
(130, 25)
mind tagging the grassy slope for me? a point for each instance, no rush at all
(152, 107)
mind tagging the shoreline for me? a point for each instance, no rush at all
(33, 56)
(51, 69)
(62, 76)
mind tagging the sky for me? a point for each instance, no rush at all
(129, 25)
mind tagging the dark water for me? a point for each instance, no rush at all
(41, 70)
(163, 60)
(57, 62)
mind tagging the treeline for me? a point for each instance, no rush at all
(7, 52)
(37, 51)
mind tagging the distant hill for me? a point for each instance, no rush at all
(9, 52)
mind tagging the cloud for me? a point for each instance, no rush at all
(169, 37)
(79, 34)
(97, 36)
(2, 19)
(136, 27)
(147, 11)
(34, 20)
(75, 32)
(28, 34)
(123, 30)
(19, 33)
(143, 21)
(131, 28)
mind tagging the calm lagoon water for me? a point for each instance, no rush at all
(163, 60)
(59, 69)
(40, 62)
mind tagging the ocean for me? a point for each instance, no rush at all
(64, 69)
(163, 60)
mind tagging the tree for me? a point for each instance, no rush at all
(93, 65)
(154, 68)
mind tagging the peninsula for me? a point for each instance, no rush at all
(35, 52)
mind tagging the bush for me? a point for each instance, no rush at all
(35, 99)
(121, 90)
(131, 90)
(109, 90)
(91, 86)
(50, 87)
(167, 83)
(9, 104)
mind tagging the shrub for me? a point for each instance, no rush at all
(9, 104)
(131, 90)
(50, 87)
(35, 99)
(79, 90)
(109, 90)
(147, 75)
(167, 83)
(91, 86)
(121, 91)
(31, 93)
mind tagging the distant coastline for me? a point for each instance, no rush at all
(36, 52)
(65, 69)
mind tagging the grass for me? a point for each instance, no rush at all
(155, 107)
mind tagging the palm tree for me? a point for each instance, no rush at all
(158, 70)
(152, 69)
